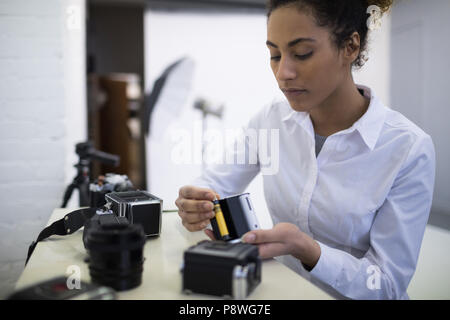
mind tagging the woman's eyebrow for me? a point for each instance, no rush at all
(291, 43)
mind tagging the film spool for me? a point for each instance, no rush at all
(222, 225)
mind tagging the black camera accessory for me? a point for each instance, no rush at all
(144, 208)
(139, 207)
(67, 225)
(57, 289)
(115, 249)
(98, 221)
(105, 184)
(239, 215)
(219, 268)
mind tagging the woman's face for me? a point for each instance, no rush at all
(305, 62)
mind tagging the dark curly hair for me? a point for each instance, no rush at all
(341, 17)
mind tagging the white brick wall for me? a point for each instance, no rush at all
(35, 142)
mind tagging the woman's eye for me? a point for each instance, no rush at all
(304, 56)
(298, 56)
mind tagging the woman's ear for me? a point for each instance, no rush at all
(352, 47)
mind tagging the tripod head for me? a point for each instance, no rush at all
(86, 151)
(205, 107)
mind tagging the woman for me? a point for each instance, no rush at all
(353, 192)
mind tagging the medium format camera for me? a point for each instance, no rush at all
(220, 268)
(239, 217)
(138, 207)
(115, 236)
(103, 185)
(58, 289)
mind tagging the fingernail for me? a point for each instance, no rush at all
(208, 195)
(207, 206)
(249, 238)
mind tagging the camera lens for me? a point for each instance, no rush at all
(116, 255)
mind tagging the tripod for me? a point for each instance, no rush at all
(86, 153)
(205, 107)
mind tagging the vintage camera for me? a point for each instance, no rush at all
(239, 215)
(103, 185)
(58, 289)
(219, 268)
(115, 236)
(139, 207)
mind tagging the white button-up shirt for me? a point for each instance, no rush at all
(365, 198)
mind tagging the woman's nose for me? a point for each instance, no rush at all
(286, 70)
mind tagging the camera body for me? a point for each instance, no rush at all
(110, 182)
(57, 289)
(219, 268)
(115, 236)
(138, 207)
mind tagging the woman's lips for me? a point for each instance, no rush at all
(293, 93)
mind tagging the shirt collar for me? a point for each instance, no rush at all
(369, 125)
(300, 118)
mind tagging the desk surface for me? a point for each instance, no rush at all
(163, 257)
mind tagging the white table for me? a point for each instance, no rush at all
(161, 277)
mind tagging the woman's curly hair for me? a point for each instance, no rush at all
(341, 17)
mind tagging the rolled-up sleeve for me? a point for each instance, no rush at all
(385, 271)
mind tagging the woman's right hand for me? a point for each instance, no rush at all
(195, 207)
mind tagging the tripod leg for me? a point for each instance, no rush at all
(84, 194)
(68, 194)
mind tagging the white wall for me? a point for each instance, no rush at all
(42, 105)
(376, 71)
(74, 64)
(232, 68)
(420, 79)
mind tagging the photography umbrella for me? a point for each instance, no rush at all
(163, 107)
(169, 94)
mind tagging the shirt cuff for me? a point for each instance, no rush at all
(329, 266)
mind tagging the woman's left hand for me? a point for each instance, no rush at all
(285, 239)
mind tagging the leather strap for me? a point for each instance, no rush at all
(67, 225)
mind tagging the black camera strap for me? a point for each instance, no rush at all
(67, 225)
